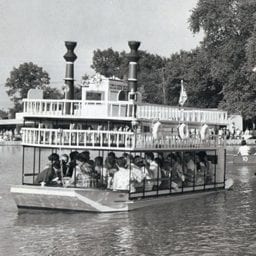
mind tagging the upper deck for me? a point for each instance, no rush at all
(119, 110)
(108, 101)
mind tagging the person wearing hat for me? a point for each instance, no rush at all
(244, 149)
(50, 176)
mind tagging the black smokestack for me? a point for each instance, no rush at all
(133, 59)
(70, 57)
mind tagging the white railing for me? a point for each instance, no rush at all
(78, 108)
(167, 141)
(77, 138)
(121, 110)
(58, 138)
(176, 114)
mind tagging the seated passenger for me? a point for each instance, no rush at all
(189, 168)
(101, 168)
(111, 168)
(50, 176)
(98, 169)
(137, 174)
(64, 164)
(167, 172)
(122, 176)
(154, 173)
(205, 167)
(93, 174)
(72, 164)
(244, 150)
(81, 175)
(178, 176)
(201, 169)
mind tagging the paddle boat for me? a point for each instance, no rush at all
(112, 119)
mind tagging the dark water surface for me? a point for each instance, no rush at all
(219, 224)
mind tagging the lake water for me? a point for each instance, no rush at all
(219, 224)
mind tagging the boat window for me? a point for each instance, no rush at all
(94, 96)
(122, 95)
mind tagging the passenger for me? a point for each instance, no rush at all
(86, 155)
(137, 174)
(50, 176)
(201, 169)
(244, 150)
(93, 174)
(81, 175)
(178, 176)
(205, 163)
(163, 173)
(64, 164)
(72, 164)
(167, 168)
(128, 158)
(121, 177)
(154, 172)
(98, 165)
(189, 168)
(111, 168)
(98, 168)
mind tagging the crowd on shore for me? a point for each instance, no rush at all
(9, 135)
(127, 172)
(235, 134)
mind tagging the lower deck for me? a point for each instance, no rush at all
(108, 181)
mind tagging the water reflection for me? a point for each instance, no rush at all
(244, 173)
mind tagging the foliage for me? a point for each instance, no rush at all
(3, 114)
(229, 45)
(112, 63)
(159, 78)
(108, 62)
(26, 76)
(52, 93)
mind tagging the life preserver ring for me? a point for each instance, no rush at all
(245, 158)
(183, 131)
(204, 132)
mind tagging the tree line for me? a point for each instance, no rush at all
(219, 73)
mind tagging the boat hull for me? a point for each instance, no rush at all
(244, 160)
(91, 200)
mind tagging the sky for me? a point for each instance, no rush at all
(35, 31)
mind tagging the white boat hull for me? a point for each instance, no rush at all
(92, 200)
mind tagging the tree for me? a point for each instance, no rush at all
(3, 114)
(150, 79)
(26, 76)
(228, 44)
(108, 62)
(52, 93)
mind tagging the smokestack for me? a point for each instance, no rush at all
(132, 77)
(70, 57)
(133, 59)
